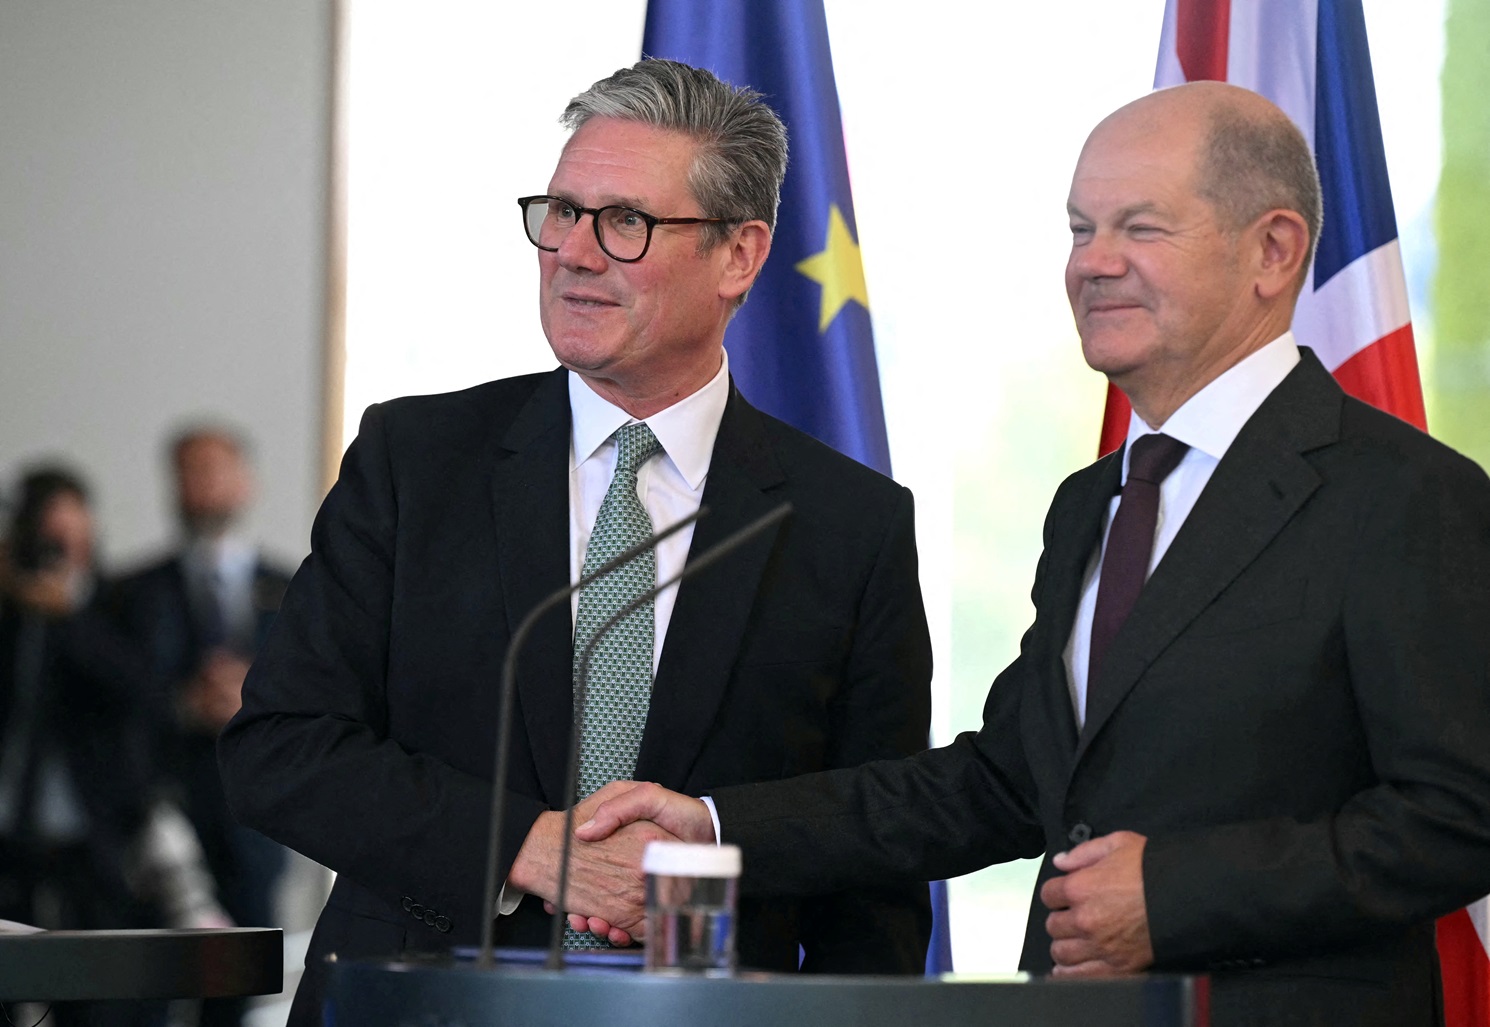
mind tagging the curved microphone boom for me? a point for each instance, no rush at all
(504, 717)
(582, 688)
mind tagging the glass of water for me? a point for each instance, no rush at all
(691, 891)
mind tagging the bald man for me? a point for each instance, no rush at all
(1271, 760)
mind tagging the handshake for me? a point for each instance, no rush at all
(1097, 913)
(605, 875)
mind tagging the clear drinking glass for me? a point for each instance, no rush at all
(691, 893)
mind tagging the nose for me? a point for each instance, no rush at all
(1098, 255)
(580, 249)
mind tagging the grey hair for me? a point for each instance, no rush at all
(740, 158)
(1250, 165)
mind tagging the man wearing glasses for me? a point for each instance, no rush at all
(367, 730)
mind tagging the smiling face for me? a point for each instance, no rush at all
(1157, 283)
(642, 334)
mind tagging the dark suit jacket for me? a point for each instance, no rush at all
(90, 677)
(1296, 715)
(366, 740)
(157, 608)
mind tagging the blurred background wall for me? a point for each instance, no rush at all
(163, 182)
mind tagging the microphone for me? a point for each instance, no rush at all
(504, 716)
(582, 687)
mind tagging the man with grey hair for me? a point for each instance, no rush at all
(368, 723)
(1248, 726)
(201, 612)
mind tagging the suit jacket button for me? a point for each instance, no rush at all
(429, 917)
(1080, 833)
(417, 911)
(442, 924)
(408, 903)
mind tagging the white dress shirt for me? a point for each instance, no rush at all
(670, 484)
(226, 565)
(1208, 422)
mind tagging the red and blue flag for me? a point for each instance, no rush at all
(1310, 58)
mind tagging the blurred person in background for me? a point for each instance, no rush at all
(84, 842)
(201, 613)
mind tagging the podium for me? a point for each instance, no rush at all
(451, 994)
(67, 966)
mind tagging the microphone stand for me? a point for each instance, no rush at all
(504, 719)
(581, 691)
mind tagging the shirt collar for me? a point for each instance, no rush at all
(231, 556)
(1210, 420)
(686, 429)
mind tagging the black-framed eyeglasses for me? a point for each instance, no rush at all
(624, 233)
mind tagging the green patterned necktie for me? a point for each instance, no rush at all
(620, 672)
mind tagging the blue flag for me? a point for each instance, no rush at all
(802, 347)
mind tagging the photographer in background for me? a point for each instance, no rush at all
(84, 844)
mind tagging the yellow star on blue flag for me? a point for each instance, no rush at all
(802, 349)
(825, 382)
(837, 269)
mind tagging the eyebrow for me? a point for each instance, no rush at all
(613, 201)
(1125, 214)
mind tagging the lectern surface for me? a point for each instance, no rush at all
(65, 966)
(394, 994)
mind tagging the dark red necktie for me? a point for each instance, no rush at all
(1130, 543)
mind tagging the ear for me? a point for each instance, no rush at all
(744, 255)
(1283, 246)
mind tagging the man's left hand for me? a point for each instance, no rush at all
(1099, 923)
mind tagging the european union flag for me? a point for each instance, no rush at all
(802, 347)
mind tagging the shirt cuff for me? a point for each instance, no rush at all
(508, 899)
(714, 816)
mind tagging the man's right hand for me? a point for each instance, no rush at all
(686, 818)
(624, 806)
(605, 875)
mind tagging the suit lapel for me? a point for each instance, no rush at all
(1256, 489)
(710, 614)
(1075, 532)
(530, 504)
